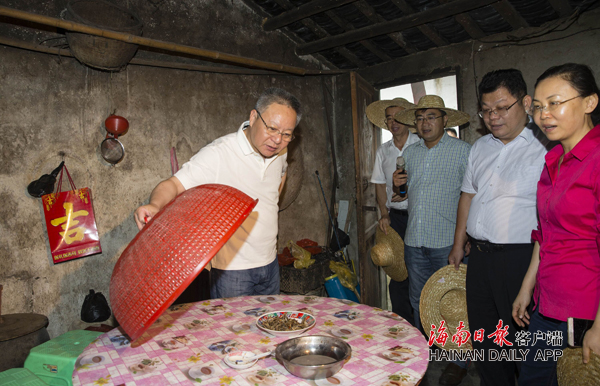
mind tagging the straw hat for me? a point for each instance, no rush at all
(572, 372)
(455, 117)
(444, 297)
(376, 110)
(388, 253)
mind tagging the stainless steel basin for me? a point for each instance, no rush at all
(295, 353)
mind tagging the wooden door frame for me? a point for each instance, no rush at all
(370, 275)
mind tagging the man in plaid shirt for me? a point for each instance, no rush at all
(435, 168)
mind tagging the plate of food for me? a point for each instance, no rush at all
(285, 323)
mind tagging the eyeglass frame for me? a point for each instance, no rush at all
(482, 113)
(272, 132)
(429, 119)
(554, 104)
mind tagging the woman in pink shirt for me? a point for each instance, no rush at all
(564, 274)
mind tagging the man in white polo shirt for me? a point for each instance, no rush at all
(252, 160)
(496, 213)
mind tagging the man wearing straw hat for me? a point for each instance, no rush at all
(497, 212)
(435, 168)
(393, 208)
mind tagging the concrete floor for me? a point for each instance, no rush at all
(435, 369)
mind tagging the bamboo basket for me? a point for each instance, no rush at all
(95, 51)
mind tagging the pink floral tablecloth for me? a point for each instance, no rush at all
(186, 346)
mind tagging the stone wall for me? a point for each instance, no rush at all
(54, 105)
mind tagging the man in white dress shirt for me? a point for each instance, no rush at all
(496, 213)
(393, 208)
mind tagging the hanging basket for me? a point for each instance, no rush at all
(96, 51)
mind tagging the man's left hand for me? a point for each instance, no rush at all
(397, 198)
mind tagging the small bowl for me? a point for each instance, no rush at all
(231, 358)
(328, 349)
(297, 315)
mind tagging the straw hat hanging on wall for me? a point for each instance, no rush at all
(388, 253)
(376, 111)
(444, 297)
(572, 372)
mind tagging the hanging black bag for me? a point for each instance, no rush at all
(95, 308)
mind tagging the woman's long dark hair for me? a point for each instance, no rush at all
(581, 79)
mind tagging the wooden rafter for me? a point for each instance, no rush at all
(425, 29)
(369, 12)
(467, 23)
(562, 7)
(506, 10)
(290, 35)
(321, 33)
(365, 43)
(400, 24)
(302, 12)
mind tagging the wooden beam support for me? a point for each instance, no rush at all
(321, 33)
(168, 46)
(506, 10)
(401, 24)
(302, 12)
(425, 29)
(399, 39)
(65, 52)
(467, 23)
(562, 7)
(289, 34)
(365, 43)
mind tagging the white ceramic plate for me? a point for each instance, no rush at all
(236, 360)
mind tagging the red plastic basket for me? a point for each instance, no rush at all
(171, 250)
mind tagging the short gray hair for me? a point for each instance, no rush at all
(280, 96)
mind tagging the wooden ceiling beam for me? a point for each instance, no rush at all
(349, 27)
(321, 33)
(562, 7)
(468, 23)
(302, 12)
(512, 17)
(425, 29)
(290, 35)
(400, 24)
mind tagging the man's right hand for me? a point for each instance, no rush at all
(456, 255)
(143, 214)
(384, 222)
(400, 177)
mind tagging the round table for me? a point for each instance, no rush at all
(186, 345)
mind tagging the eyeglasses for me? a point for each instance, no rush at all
(430, 118)
(537, 109)
(499, 111)
(287, 137)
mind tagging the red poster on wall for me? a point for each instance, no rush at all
(70, 223)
